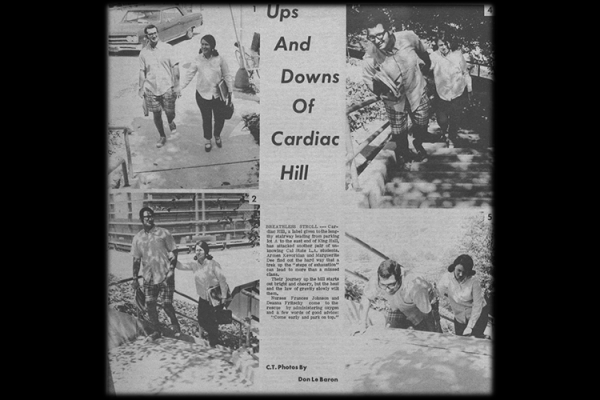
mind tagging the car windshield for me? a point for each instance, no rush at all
(141, 17)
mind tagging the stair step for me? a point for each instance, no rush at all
(442, 148)
(453, 158)
(475, 177)
(448, 167)
(432, 188)
(447, 202)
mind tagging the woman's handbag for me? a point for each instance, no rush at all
(225, 108)
(224, 105)
(222, 315)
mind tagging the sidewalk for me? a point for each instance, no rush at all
(183, 162)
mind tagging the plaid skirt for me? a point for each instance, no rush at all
(165, 101)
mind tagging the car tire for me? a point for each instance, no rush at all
(190, 33)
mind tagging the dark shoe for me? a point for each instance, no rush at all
(161, 142)
(218, 142)
(153, 336)
(455, 141)
(439, 138)
(173, 127)
(207, 147)
(421, 156)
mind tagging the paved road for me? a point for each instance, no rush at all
(177, 165)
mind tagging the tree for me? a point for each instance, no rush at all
(467, 24)
(478, 242)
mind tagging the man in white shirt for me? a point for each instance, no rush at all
(391, 70)
(152, 249)
(407, 294)
(159, 81)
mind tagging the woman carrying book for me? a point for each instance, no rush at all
(211, 68)
(210, 283)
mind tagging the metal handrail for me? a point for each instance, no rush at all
(364, 278)
(245, 324)
(350, 160)
(120, 162)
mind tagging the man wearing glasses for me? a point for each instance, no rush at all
(159, 81)
(152, 249)
(408, 295)
(391, 70)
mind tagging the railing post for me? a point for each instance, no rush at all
(351, 165)
(196, 216)
(126, 132)
(125, 177)
(129, 207)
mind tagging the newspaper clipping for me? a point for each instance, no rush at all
(300, 199)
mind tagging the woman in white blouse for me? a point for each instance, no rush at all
(464, 293)
(211, 67)
(207, 275)
(453, 85)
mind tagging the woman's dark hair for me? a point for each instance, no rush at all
(388, 268)
(446, 38)
(466, 261)
(145, 209)
(204, 246)
(210, 39)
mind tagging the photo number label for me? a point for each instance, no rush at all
(488, 10)
(488, 217)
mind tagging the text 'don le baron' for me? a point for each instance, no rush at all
(302, 368)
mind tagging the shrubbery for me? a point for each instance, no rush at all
(356, 93)
(120, 298)
(479, 244)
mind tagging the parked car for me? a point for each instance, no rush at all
(172, 22)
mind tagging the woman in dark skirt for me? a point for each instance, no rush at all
(207, 275)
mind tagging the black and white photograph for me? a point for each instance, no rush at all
(419, 105)
(418, 302)
(183, 292)
(366, 214)
(183, 96)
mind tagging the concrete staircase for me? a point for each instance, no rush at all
(139, 364)
(448, 178)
